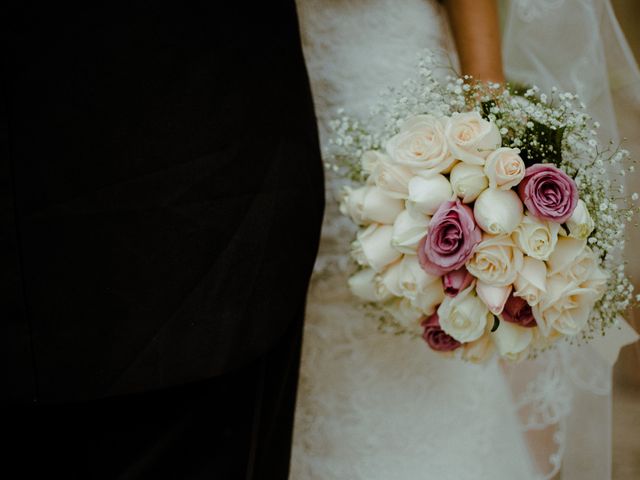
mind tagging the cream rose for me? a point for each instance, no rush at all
(597, 280)
(498, 211)
(408, 230)
(427, 194)
(405, 314)
(365, 285)
(504, 168)
(407, 279)
(424, 290)
(429, 297)
(372, 247)
(465, 316)
(472, 138)
(535, 237)
(370, 160)
(478, 351)
(391, 178)
(512, 340)
(421, 145)
(565, 308)
(468, 181)
(493, 297)
(496, 260)
(531, 282)
(369, 204)
(580, 223)
(573, 259)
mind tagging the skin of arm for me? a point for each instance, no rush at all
(476, 31)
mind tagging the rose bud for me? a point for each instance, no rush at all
(468, 181)
(512, 340)
(456, 281)
(370, 204)
(498, 211)
(517, 310)
(373, 247)
(427, 194)
(580, 223)
(408, 230)
(435, 337)
(504, 168)
(493, 297)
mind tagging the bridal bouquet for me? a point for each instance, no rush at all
(487, 218)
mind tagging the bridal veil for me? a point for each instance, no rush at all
(564, 398)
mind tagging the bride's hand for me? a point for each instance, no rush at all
(476, 30)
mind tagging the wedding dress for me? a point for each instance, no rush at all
(370, 405)
(375, 406)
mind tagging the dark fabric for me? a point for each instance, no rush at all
(161, 192)
(235, 426)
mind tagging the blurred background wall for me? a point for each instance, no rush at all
(626, 394)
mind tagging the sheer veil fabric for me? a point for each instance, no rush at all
(564, 399)
(373, 406)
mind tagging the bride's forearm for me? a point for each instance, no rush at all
(476, 30)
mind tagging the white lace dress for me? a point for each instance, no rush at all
(374, 406)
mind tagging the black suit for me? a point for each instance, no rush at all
(161, 195)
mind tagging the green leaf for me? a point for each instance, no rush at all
(496, 324)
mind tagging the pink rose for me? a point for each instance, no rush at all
(456, 281)
(518, 311)
(435, 337)
(452, 236)
(548, 192)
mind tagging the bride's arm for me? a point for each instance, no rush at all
(476, 30)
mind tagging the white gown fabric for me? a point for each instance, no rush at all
(370, 405)
(374, 406)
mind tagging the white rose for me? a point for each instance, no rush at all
(406, 278)
(531, 282)
(424, 290)
(573, 259)
(498, 211)
(428, 299)
(468, 181)
(540, 342)
(370, 204)
(370, 159)
(597, 280)
(365, 285)
(493, 297)
(464, 316)
(391, 178)
(405, 314)
(408, 230)
(426, 194)
(496, 260)
(512, 340)
(580, 223)
(478, 351)
(504, 168)
(421, 145)
(372, 247)
(472, 138)
(565, 308)
(537, 238)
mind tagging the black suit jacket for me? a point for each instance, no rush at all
(161, 192)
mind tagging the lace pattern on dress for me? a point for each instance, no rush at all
(374, 406)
